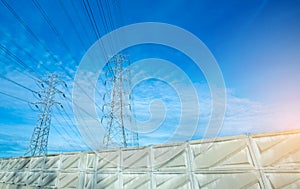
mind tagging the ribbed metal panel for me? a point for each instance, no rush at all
(264, 161)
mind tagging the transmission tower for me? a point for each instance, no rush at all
(39, 139)
(117, 106)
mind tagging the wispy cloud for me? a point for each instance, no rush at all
(242, 115)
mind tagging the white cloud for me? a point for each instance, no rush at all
(242, 115)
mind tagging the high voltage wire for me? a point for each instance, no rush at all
(108, 24)
(110, 18)
(78, 136)
(103, 17)
(79, 19)
(92, 21)
(112, 129)
(82, 109)
(90, 15)
(17, 98)
(82, 25)
(67, 122)
(31, 32)
(11, 96)
(117, 6)
(72, 128)
(19, 70)
(61, 126)
(95, 28)
(51, 25)
(35, 36)
(53, 28)
(91, 18)
(27, 54)
(28, 29)
(105, 24)
(72, 23)
(14, 97)
(18, 84)
(17, 60)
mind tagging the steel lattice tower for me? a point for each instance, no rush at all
(117, 106)
(39, 139)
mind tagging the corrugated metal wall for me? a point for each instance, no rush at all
(258, 161)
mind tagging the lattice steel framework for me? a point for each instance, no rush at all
(39, 139)
(118, 104)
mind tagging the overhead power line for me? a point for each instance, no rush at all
(53, 28)
(28, 29)
(17, 60)
(89, 11)
(18, 84)
(80, 21)
(14, 97)
(26, 52)
(72, 23)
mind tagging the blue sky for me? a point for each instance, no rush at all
(256, 44)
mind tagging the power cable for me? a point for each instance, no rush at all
(14, 97)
